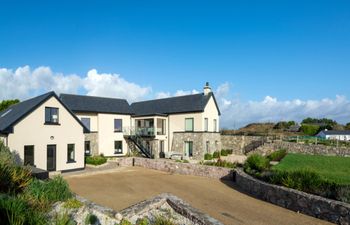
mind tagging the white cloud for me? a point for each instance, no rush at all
(24, 83)
(112, 85)
(163, 95)
(182, 92)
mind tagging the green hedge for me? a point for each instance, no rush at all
(95, 160)
(224, 152)
(277, 155)
(216, 154)
(220, 163)
(208, 156)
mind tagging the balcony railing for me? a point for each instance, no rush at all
(140, 131)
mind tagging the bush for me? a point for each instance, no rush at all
(72, 203)
(63, 219)
(216, 155)
(185, 161)
(220, 163)
(208, 156)
(14, 179)
(51, 191)
(229, 151)
(161, 220)
(15, 210)
(125, 222)
(224, 152)
(277, 155)
(256, 164)
(95, 160)
(143, 221)
(310, 130)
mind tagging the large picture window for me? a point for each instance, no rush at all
(71, 153)
(189, 124)
(118, 125)
(29, 155)
(51, 115)
(118, 147)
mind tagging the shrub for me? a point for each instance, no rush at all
(220, 163)
(277, 155)
(224, 152)
(229, 151)
(208, 156)
(143, 221)
(63, 219)
(53, 190)
(185, 161)
(14, 179)
(72, 203)
(161, 220)
(216, 155)
(256, 164)
(95, 160)
(125, 222)
(15, 210)
(91, 219)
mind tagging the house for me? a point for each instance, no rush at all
(184, 125)
(105, 118)
(341, 135)
(44, 133)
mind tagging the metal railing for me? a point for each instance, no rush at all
(141, 131)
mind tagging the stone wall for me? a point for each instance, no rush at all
(178, 168)
(316, 206)
(302, 148)
(93, 138)
(238, 142)
(199, 140)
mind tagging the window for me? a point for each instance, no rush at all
(189, 124)
(86, 122)
(51, 115)
(160, 126)
(188, 148)
(87, 148)
(205, 124)
(71, 153)
(215, 126)
(207, 147)
(161, 146)
(118, 147)
(29, 155)
(118, 125)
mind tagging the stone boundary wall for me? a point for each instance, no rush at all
(316, 206)
(302, 148)
(237, 142)
(185, 168)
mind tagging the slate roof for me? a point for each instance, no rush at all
(81, 103)
(173, 105)
(10, 116)
(336, 132)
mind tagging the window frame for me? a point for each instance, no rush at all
(121, 125)
(189, 118)
(89, 150)
(50, 121)
(88, 119)
(116, 151)
(70, 160)
(24, 155)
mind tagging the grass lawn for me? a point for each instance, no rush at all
(333, 168)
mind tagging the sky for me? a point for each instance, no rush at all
(265, 60)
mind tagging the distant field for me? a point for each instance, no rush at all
(333, 168)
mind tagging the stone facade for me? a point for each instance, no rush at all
(239, 143)
(199, 140)
(316, 206)
(93, 138)
(302, 148)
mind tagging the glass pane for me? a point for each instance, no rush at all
(189, 124)
(118, 147)
(29, 155)
(70, 152)
(86, 122)
(118, 125)
(47, 115)
(54, 115)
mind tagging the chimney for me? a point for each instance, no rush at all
(206, 89)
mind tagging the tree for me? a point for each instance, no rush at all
(309, 129)
(283, 125)
(7, 103)
(328, 123)
(347, 126)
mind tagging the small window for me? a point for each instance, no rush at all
(118, 147)
(205, 124)
(118, 125)
(71, 153)
(86, 122)
(29, 155)
(188, 148)
(87, 148)
(215, 128)
(189, 124)
(51, 115)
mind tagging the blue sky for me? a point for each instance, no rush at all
(286, 50)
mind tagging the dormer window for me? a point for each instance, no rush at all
(51, 115)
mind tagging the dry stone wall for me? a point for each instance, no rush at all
(316, 206)
(238, 142)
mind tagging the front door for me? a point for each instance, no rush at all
(188, 148)
(51, 157)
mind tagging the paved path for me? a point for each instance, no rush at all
(129, 185)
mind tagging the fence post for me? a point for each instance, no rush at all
(316, 140)
(297, 139)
